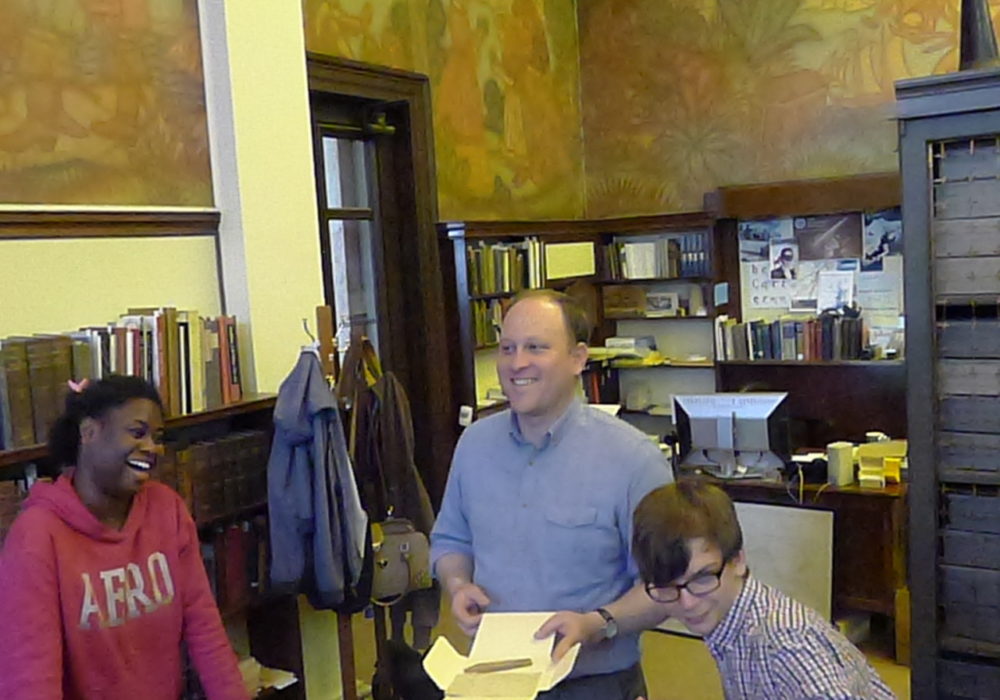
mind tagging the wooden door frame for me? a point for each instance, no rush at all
(418, 350)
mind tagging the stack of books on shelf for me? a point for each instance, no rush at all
(824, 338)
(219, 478)
(235, 559)
(496, 268)
(193, 361)
(486, 319)
(665, 256)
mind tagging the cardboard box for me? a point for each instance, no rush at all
(501, 637)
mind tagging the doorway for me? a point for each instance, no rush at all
(382, 272)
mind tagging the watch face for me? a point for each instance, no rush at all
(611, 629)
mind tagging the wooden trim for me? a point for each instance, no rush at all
(350, 213)
(345, 76)
(251, 404)
(576, 229)
(804, 197)
(107, 224)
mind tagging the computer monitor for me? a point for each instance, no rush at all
(737, 435)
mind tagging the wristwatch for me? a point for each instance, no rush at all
(610, 624)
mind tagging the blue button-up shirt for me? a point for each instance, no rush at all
(549, 528)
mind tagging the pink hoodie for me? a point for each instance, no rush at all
(87, 611)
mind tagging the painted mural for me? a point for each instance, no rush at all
(102, 102)
(505, 88)
(682, 96)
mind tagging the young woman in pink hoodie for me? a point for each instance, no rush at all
(101, 578)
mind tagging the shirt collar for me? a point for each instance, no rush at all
(556, 431)
(728, 631)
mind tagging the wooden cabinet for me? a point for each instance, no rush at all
(266, 627)
(949, 144)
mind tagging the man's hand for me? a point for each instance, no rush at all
(571, 628)
(468, 601)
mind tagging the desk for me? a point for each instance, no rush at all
(869, 537)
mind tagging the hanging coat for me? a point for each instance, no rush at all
(318, 527)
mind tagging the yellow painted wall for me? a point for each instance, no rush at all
(505, 88)
(50, 286)
(275, 172)
(277, 209)
(682, 96)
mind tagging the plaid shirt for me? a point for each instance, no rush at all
(770, 646)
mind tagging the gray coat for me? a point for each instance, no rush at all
(317, 523)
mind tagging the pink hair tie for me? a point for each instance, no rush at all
(79, 386)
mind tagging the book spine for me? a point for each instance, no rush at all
(17, 406)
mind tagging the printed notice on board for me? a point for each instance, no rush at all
(761, 290)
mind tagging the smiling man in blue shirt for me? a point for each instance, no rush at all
(537, 514)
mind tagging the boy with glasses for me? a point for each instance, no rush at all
(688, 546)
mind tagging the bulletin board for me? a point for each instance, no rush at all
(806, 264)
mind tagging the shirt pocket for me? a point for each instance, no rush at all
(581, 546)
(571, 516)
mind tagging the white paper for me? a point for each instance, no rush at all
(640, 260)
(835, 289)
(878, 292)
(611, 409)
(759, 291)
(512, 636)
(502, 636)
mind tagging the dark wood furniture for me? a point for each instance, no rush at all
(828, 401)
(869, 537)
(272, 622)
(948, 131)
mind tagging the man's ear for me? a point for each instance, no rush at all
(89, 428)
(579, 354)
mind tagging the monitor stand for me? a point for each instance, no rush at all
(725, 464)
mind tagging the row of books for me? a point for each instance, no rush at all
(825, 338)
(486, 319)
(193, 361)
(219, 478)
(666, 256)
(495, 268)
(235, 558)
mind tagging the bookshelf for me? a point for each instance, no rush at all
(677, 254)
(949, 130)
(272, 623)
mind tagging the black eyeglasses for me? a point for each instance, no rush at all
(700, 585)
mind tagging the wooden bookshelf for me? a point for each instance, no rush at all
(622, 317)
(667, 365)
(808, 363)
(459, 237)
(657, 280)
(250, 404)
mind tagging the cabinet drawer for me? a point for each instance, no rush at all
(978, 414)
